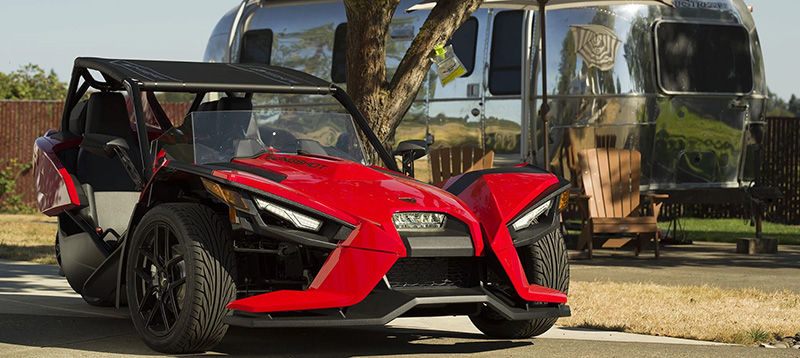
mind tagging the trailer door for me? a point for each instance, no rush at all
(455, 110)
(502, 105)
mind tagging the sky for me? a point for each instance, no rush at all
(53, 33)
(778, 29)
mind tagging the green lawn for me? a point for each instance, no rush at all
(729, 230)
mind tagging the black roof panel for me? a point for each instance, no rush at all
(175, 76)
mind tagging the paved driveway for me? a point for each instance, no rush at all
(701, 263)
(40, 316)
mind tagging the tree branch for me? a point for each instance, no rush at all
(384, 104)
(367, 30)
(439, 27)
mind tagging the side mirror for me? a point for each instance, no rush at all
(103, 145)
(411, 150)
(417, 148)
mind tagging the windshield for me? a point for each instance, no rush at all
(220, 136)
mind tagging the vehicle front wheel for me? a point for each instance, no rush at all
(548, 263)
(180, 276)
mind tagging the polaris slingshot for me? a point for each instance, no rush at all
(270, 217)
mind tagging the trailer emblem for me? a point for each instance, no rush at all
(700, 4)
(597, 45)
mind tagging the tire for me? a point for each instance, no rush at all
(549, 264)
(180, 276)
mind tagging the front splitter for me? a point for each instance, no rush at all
(383, 305)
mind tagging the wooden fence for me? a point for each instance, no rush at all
(21, 122)
(781, 167)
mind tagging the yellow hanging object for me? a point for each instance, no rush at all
(439, 51)
(447, 64)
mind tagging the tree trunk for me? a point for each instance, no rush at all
(384, 103)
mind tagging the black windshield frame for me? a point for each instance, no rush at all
(136, 76)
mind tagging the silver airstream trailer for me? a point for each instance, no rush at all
(684, 86)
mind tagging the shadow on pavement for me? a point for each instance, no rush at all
(65, 331)
(18, 276)
(363, 341)
(699, 254)
(117, 336)
(38, 309)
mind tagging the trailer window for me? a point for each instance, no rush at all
(464, 41)
(506, 54)
(703, 58)
(338, 64)
(257, 47)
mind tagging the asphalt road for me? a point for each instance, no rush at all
(40, 316)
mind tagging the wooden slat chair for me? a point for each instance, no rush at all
(612, 203)
(448, 162)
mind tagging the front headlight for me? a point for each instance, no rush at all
(532, 217)
(414, 220)
(300, 221)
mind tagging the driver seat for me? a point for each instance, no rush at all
(110, 191)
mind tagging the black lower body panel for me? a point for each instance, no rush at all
(384, 305)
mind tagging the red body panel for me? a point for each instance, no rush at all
(354, 193)
(55, 189)
(367, 198)
(345, 279)
(495, 199)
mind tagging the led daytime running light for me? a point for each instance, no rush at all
(532, 217)
(299, 220)
(418, 220)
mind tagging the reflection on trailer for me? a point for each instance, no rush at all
(684, 86)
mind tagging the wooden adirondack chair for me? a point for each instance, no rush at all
(451, 161)
(612, 203)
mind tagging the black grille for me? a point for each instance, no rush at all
(431, 272)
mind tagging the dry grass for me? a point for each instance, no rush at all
(28, 238)
(740, 316)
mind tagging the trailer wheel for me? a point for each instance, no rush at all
(180, 276)
(550, 266)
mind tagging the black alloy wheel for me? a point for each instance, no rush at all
(180, 277)
(160, 281)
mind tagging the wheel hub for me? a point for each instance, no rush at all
(161, 277)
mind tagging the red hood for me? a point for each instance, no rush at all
(348, 190)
